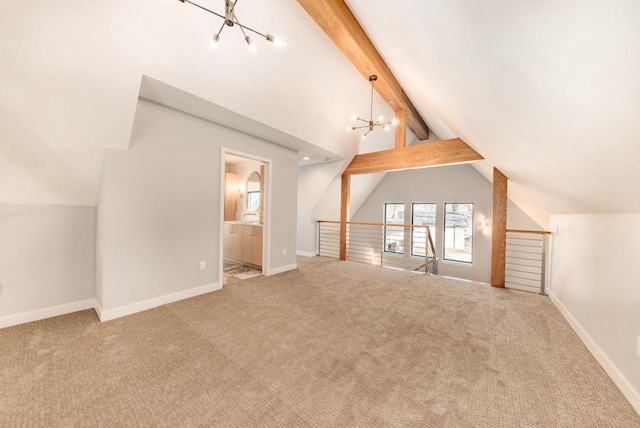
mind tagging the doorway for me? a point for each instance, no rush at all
(243, 221)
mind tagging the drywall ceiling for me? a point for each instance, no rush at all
(547, 91)
(71, 73)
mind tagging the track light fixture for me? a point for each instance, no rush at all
(230, 19)
(370, 124)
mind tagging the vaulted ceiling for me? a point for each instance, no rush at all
(547, 91)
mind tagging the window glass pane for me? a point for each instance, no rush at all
(423, 214)
(394, 236)
(458, 232)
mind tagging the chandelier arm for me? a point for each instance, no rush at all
(233, 7)
(235, 19)
(204, 8)
(220, 30)
(244, 27)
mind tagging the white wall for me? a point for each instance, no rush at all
(47, 260)
(518, 219)
(595, 281)
(159, 212)
(319, 198)
(314, 181)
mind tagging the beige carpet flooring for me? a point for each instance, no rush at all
(332, 344)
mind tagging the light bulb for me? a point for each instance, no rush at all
(364, 136)
(395, 122)
(380, 118)
(214, 41)
(386, 127)
(252, 47)
(276, 41)
(354, 117)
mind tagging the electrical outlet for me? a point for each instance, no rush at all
(203, 266)
(284, 251)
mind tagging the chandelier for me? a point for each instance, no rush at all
(230, 20)
(370, 124)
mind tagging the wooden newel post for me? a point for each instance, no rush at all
(344, 214)
(499, 229)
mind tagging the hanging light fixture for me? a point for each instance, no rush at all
(230, 19)
(370, 124)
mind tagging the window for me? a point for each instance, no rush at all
(423, 214)
(253, 201)
(394, 236)
(458, 232)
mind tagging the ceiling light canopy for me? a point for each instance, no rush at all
(370, 124)
(230, 20)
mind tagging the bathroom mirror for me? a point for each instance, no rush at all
(253, 192)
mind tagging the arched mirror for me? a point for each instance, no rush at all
(253, 192)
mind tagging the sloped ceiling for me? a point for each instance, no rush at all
(547, 91)
(71, 74)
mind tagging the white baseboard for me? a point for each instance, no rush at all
(281, 269)
(306, 253)
(618, 378)
(110, 314)
(44, 313)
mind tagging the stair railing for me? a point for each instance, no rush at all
(390, 245)
(526, 260)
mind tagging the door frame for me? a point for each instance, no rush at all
(266, 210)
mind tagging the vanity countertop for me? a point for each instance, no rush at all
(252, 223)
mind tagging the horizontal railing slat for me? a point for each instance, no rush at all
(523, 268)
(525, 260)
(520, 287)
(521, 281)
(521, 249)
(522, 255)
(522, 275)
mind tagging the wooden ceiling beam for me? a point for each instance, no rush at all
(444, 152)
(338, 22)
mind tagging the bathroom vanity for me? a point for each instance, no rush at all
(243, 242)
